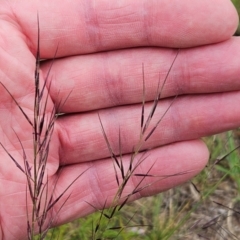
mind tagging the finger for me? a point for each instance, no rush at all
(91, 26)
(115, 78)
(171, 166)
(189, 117)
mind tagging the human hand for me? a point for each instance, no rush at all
(98, 61)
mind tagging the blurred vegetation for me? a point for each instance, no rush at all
(237, 5)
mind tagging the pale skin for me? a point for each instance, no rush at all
(102, 45)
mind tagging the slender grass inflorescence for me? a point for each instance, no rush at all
(122, 173)
(40, 218)
(42, 129)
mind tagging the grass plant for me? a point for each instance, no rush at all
(107, 223)
(39, 217)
